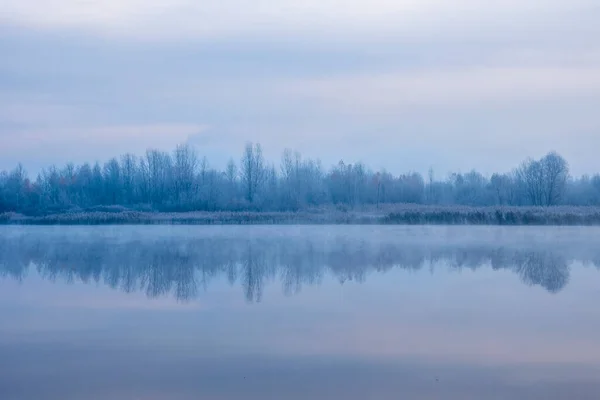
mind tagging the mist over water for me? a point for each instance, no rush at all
(183, 262)
(189, 312)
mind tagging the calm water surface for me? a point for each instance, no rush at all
(299, 313)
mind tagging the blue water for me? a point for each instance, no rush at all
(299, 312)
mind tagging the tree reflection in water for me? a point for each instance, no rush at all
(183, 267)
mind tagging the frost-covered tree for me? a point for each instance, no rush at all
(183, 180)
(556, 173)
(253, 172)
(185, 163)
(544, 180)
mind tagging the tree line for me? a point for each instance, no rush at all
(184, 181)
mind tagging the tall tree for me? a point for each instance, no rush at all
(129, 174)
(556, 173)
(185, 163)
(253, 172)
(544, 180)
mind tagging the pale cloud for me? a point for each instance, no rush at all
(78, 13)
(224, 18)
(402, 85)
(465, 87)
(21, 113)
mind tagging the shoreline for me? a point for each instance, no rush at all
(399, 215)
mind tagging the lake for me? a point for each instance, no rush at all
(299, 312)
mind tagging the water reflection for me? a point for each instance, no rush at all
(185, 265)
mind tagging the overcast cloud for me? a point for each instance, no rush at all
(402, 85)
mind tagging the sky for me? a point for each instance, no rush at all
(403, 85)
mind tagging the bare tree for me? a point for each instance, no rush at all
(253, 170)
(294, 175)
(503, 187)
(531, 175)
(112, 181)
(556, 173)
(185, 163)
(182, 180)
(231, 172)
(544, 180)
(430, 186)
(15, 187)
(129, 173)
(158, 164)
